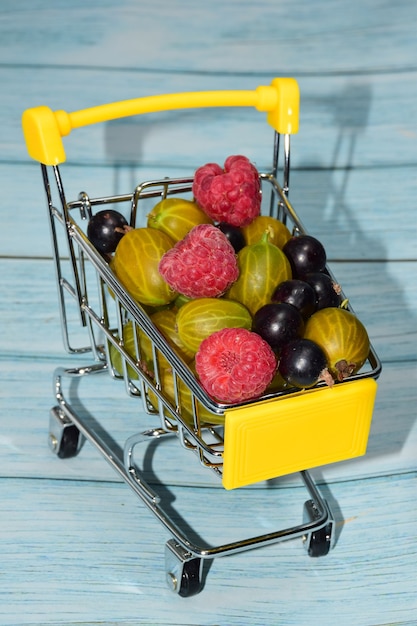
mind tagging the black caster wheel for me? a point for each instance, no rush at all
(64, 437)
(317, 542)
(183, 570)
(190, 583)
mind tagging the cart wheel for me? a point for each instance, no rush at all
(191, 583)
(317, 542)
(64, 437)
(69, 442)
(183, 570)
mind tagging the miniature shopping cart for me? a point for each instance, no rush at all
(283, 432)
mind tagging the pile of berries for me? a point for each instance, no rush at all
(278, 315)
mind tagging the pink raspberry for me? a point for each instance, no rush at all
(203, 264)
(232, 195)
(235, 364)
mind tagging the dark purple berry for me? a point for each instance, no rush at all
(233, 234)
(277, 323)
(325, 289)
(301, 363)
(105, 229)
(298, 293)
(305, 254)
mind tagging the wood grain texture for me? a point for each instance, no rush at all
(104, 561)
(194, 37)
(359, 215)
(24, 451)
(76, 546)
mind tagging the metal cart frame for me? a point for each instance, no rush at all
(88, 282)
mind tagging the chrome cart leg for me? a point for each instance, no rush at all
(184, 560)
(184, 570)
(318, 540)
(65, 438)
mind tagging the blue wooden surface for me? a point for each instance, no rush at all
(76, 545)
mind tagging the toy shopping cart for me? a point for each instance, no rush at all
(283, 432)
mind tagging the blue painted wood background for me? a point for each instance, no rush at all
(76, 546)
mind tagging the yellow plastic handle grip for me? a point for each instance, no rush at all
(43, 128)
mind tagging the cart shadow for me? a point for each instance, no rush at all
(348, 111)
(145, 466)
(168, 498)
(126, 139)
(146, 470)
(329, 205)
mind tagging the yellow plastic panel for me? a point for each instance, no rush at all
(297, 432)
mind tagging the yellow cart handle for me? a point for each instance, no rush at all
(43, 128)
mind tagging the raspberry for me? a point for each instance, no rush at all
(232, 195)
(235, 364)
(203, 264)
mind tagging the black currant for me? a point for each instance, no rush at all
(305, 254)
(105, 229)
(277, 323)
(233, 234)
(302, 363)
(325, 289)
(298, 293)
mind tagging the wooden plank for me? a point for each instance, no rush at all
(90, 554)
(212, 37)
(358, 215)
(383, 295)
(27, 396)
